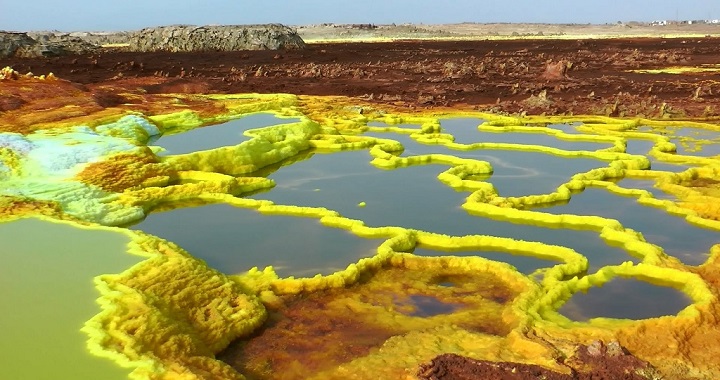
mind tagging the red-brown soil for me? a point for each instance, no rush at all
(533, 76)
(595, 361)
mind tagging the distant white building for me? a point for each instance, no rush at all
(659, 22)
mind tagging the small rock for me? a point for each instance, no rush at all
(595, 348)
(614, 349)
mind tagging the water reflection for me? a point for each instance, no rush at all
(697, 142)
(429, 306)
(625, 298)
(412, 197)
(515, 173)
(570, 128)
(680, 239)
(645, 184)
(465, 132)
(642, 147)
(233, 240)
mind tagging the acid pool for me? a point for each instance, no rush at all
(48, 295)
(215, 136)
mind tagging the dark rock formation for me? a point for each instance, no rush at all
(15, 44)
(93, 38)
(456, 367)
(21, 45)
(179, 38)
(595, 361)
(216, 38)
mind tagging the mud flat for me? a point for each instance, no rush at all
(532, 76)
(471, 30)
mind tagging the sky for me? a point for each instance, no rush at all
(113, 15)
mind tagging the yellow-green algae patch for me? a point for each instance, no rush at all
(168, 316)
(48, 294)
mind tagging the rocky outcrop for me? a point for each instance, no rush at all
(594, 361)
(93, 38)
(13, 44)
(216, 38)
(166, 38)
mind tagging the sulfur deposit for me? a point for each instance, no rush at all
(170, 315)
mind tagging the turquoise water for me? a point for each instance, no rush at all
(48, 294)
(625, 298)
(233, 240)
(678, 238)
(215, 136)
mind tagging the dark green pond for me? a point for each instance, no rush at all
(215, 136)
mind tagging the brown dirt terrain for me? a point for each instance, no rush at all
(509, 76)
(595, 361)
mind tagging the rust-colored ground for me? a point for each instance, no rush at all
(314, 333)
(595, 361)
(508, 76)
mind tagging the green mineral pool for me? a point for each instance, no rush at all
(48, 294)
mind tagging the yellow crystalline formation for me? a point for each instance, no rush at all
(170, 315)
(7, 73)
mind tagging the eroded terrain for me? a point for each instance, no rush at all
(599, 77)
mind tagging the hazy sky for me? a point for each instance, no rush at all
(109, 15)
